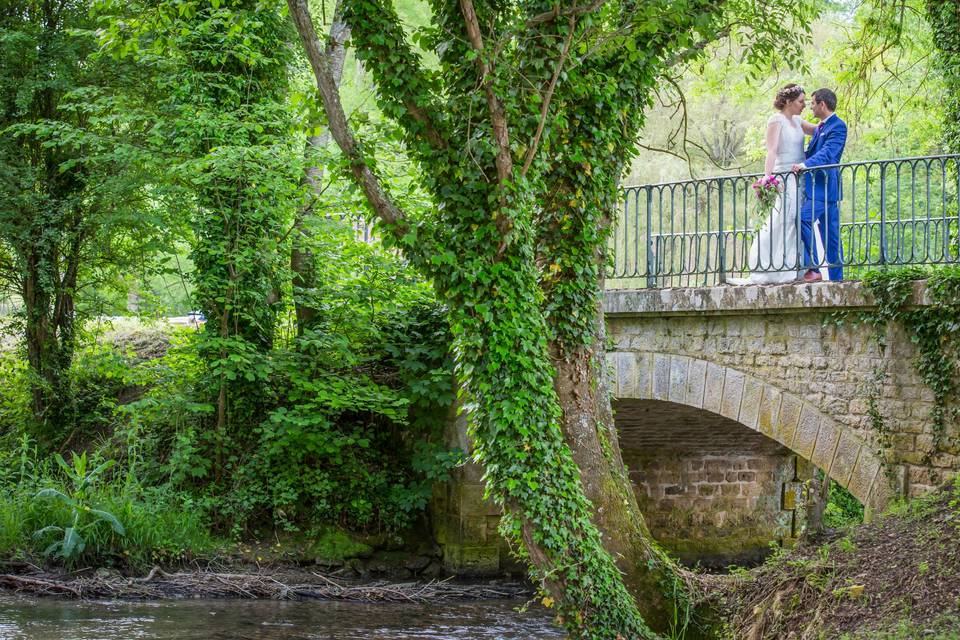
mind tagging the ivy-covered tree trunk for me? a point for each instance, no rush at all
(589, 430)
(485, 271)
(522, 156)
(222, 124)
(49, 331)
(43, 199)
(944, 19)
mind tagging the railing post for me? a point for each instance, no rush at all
(883, 213)
(651, 279)
(722, 246)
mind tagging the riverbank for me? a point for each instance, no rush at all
(893, 579)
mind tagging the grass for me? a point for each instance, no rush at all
(160, 526)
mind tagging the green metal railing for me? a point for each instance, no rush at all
(904, 211)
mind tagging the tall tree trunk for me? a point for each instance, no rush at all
(301, 258)
(49, 334)
(590, 432)
(577, 213)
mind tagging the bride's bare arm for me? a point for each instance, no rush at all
(773, 141)
(808, 127)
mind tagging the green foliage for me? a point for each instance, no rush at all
(100, 515)
(352, 409)
(335, 546)
(223, 124)
(842, 508)
(74, 209)
(83, 515)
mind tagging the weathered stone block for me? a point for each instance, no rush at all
(696, 382)
(679, 368)
(826, 446)
(786, 425)
(475, 561)
(769, 414)
(732, 394)
(473, 530)
(661, 377)
(864, 474)
(626, 375)
(713, 391)
(469, 473)
(805, 436)
(848, 450)
(644, 375)
(750, 405)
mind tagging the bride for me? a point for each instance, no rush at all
(774, 255)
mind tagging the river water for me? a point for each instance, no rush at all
(49, 619)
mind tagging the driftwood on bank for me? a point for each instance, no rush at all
(159, 584)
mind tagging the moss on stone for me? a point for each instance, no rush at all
(335, 546)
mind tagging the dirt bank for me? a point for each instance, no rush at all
(898, 577)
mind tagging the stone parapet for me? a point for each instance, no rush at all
(750, 299)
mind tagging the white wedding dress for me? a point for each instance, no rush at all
(774, 254)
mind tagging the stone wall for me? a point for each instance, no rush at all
(464, 523)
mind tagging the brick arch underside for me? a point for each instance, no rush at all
(792, 421)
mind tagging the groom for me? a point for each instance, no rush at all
(823, 190)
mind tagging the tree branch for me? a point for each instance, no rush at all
(548, 97)
(336, 53)
(376, 195)
(570, 12)
(498, 117)
(697, 48)
(381, 41)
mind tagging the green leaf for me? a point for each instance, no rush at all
(58, 495)
(111, 519)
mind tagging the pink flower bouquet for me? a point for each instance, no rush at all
(767, 189)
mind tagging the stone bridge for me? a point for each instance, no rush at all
(727, 400)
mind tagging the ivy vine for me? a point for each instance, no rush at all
(934, 328)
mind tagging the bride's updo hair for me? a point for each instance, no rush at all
(789, 92)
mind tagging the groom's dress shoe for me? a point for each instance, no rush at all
(812, 276)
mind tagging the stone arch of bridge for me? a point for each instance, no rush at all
(795, 423)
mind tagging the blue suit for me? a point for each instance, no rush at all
(822, 195)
